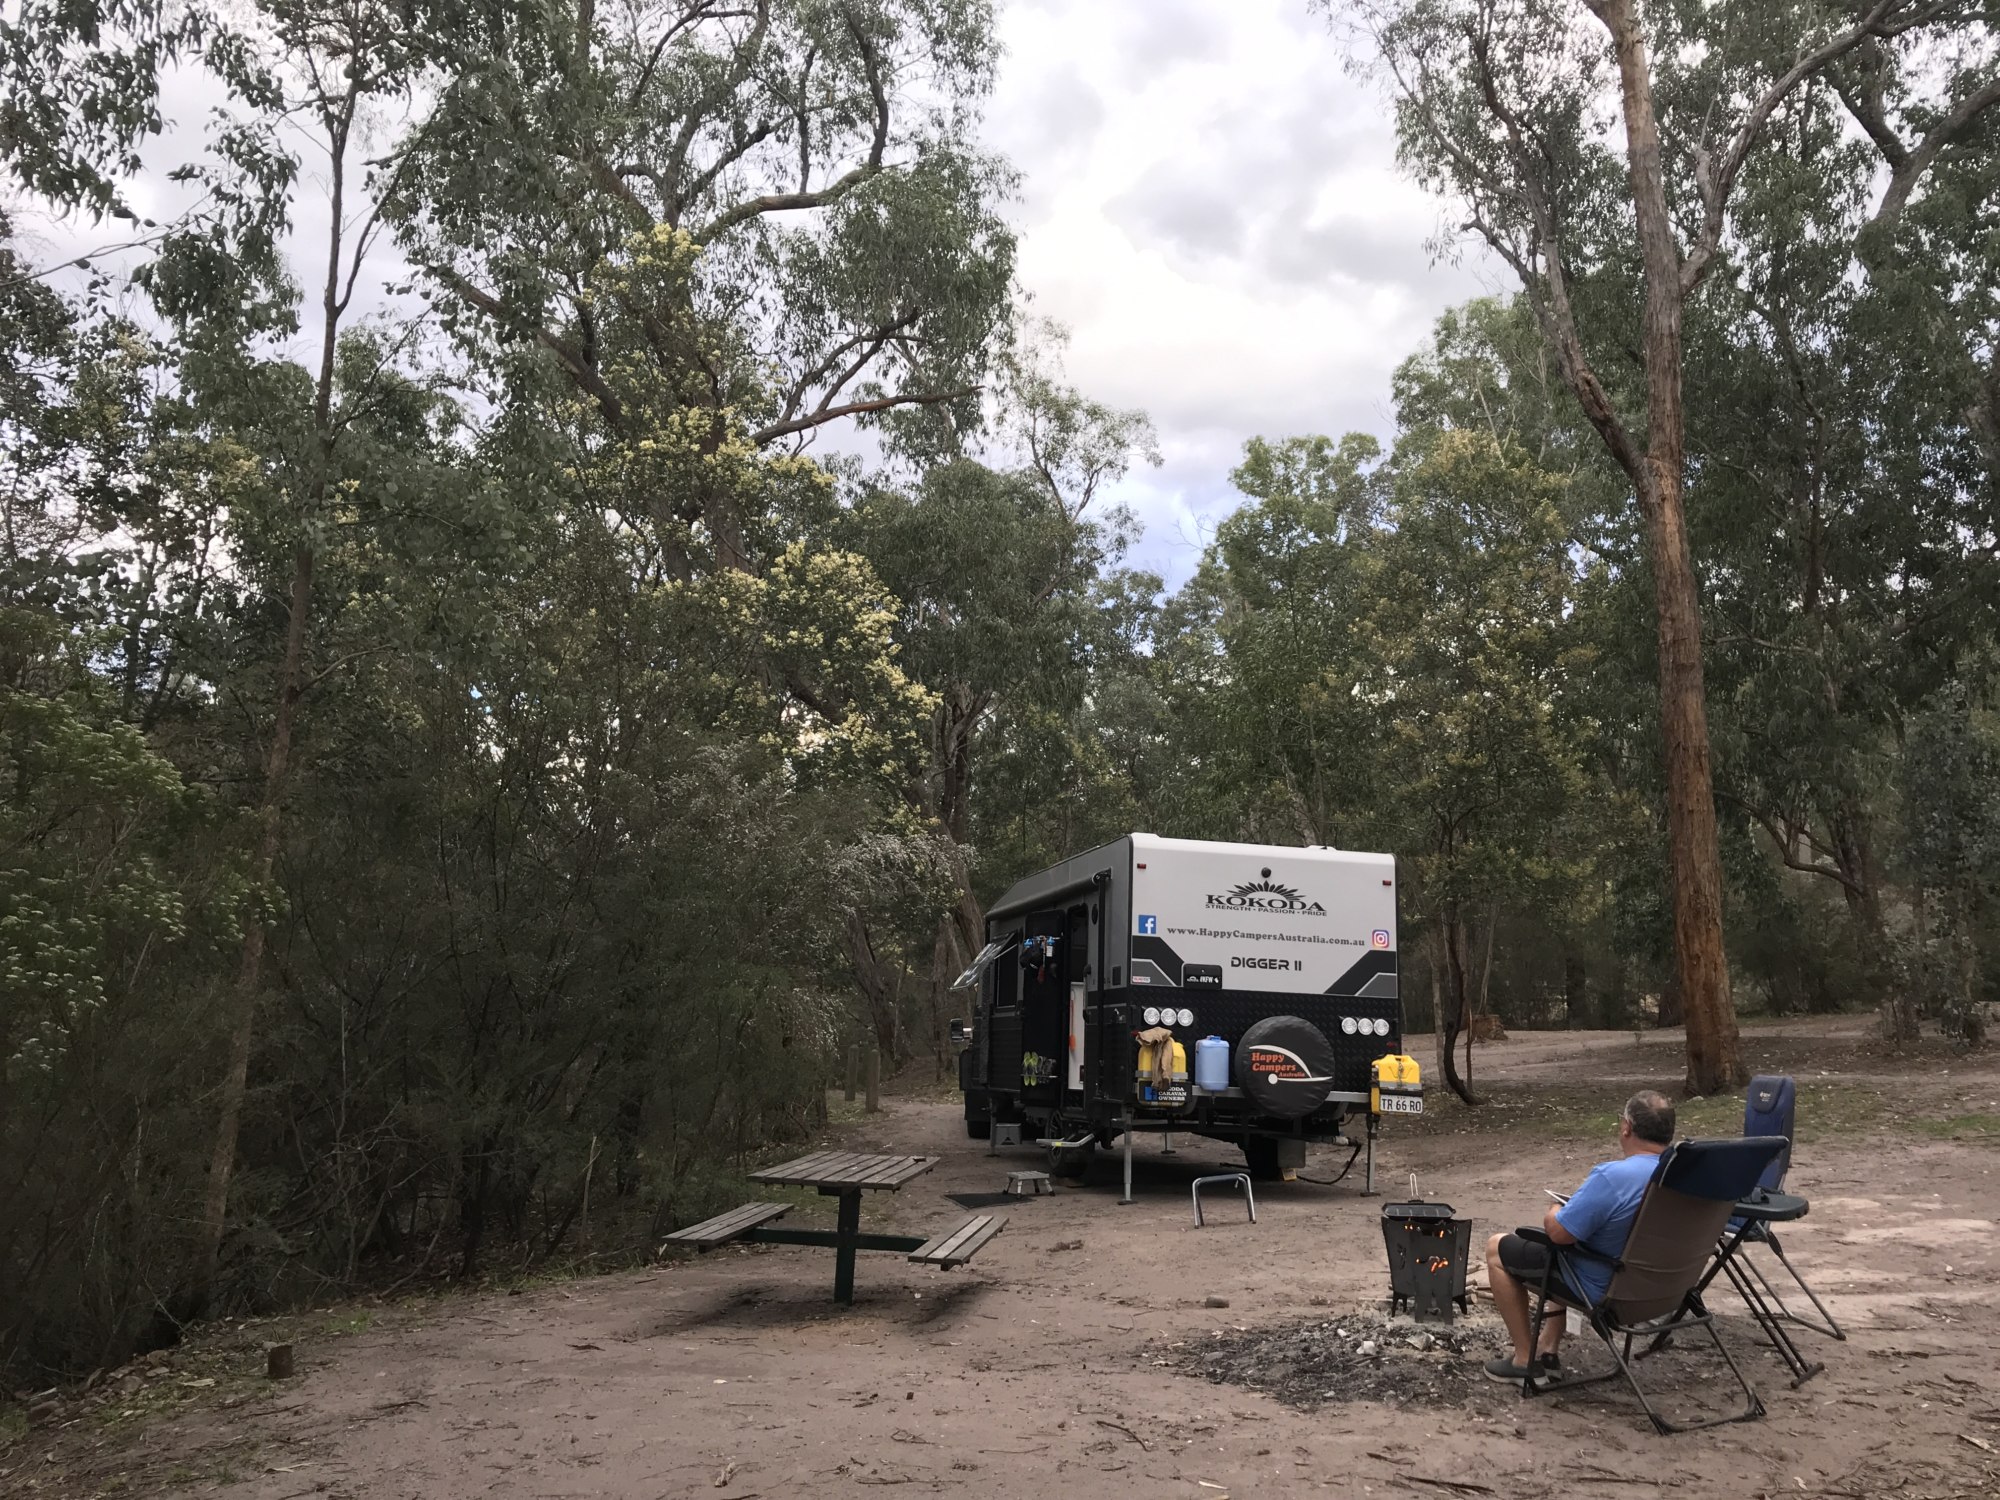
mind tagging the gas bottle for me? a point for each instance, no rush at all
(1211, 1064)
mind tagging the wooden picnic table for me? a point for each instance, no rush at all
(846, 1175)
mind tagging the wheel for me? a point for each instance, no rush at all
(1260, 1155)
(1071, 1161)
(978, 1116)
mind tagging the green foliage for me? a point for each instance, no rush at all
(640, 762)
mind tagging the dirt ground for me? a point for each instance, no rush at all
(1071, 1355)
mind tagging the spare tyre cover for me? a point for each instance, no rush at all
(1284, 1066)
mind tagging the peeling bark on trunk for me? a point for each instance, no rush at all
(1714, 1059)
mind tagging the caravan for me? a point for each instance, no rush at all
(1275, 968)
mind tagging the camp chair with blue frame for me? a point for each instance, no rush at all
(1655, 1280)
(1769, 1108)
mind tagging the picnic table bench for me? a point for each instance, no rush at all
(845, 1175)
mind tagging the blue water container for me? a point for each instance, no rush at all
(1211, 1064)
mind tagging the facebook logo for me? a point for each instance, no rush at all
(1149, 926)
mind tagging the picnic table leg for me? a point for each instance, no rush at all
(843, 1249)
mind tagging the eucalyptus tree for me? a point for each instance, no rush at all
(1289, 572)
(998, 572)
(1598, 149)
(1395, 648)
(1468, 648)
(1950, 855)
(727, 225)
(328, 67)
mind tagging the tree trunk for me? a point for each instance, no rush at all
(1484, 1005)
(1576, 989)
(242, 1019)
(880, 983)
(1437, 1003)
(1617, 1002)
(476, 1167)
(1714, 1060)
(249, 966)
(1457, 1007)
(1670, 1013)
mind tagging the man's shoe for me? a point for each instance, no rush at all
(1504, 1370)
(1552, 1368)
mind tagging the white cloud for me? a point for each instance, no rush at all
(1209, 200)
(1211, 203)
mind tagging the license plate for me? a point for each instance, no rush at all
(1402, 1104)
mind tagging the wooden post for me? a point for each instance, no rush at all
(853, 1070)
(278, 1362)
(874, 1080)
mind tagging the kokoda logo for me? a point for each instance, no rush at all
(1266, 895)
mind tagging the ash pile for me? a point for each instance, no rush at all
(1361, 1357)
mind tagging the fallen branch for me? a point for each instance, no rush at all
(1121, 1427)
(1605, 1476)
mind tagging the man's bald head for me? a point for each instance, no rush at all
(1651, 1116)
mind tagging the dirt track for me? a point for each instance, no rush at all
(1042, 1368)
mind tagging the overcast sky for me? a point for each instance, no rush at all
(1211, 203)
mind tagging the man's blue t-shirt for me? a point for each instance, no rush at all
(1600, 1215)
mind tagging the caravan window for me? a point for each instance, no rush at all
(984, 961)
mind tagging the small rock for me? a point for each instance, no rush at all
(1065, 1245)
(1368, 1346)
(1215, 1302)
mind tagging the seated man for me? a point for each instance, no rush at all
(1597, 1216)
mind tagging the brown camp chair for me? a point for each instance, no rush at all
(1652, 1291)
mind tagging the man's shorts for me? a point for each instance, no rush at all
(1525, 1261)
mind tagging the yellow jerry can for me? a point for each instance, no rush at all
(1397, 1087)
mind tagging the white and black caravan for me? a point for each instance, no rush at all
(1100, 968)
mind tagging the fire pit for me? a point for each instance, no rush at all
(1428, 1249)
